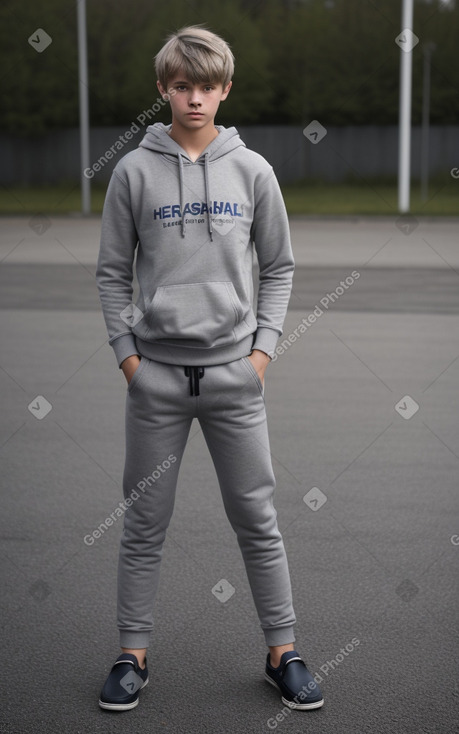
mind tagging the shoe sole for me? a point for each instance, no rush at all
(293, 704)
(121, 706)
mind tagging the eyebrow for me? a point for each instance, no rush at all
(184, 81)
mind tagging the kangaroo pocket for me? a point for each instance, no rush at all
(201, 315)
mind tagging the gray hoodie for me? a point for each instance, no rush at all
(193, 226)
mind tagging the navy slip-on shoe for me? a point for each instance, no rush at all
(296, 684)
(126, 679)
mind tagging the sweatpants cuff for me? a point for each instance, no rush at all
(279, 636)
(134, 640)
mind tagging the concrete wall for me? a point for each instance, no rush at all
(366, 151)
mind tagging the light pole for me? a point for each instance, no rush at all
(84, 107)
(404, 125)
(427, 50)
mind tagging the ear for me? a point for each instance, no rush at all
(226, 91)
(162, 91)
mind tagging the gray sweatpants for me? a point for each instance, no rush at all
(228, 401)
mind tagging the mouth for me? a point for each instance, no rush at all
(195, 114)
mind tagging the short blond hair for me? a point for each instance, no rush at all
(201, 55)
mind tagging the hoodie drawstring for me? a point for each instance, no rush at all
(207, 194)
(182, 198)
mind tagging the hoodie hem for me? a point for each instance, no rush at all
(193, 357)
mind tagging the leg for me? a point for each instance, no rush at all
(157, 427)
(233, 420)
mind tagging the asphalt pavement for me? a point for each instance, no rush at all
(363, 409)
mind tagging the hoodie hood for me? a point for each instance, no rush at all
(158, 140)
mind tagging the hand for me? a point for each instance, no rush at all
(129, 366)
(260, 361)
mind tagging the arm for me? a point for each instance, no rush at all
(270, 232)
(114, 271)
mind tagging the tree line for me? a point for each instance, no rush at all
(296, 60)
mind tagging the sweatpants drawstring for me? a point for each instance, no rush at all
(195, 374)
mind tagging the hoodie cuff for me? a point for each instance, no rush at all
(266, 340)
(124, 346)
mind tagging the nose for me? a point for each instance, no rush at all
(194, 100)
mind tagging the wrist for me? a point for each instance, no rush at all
(260, 353)
(132, 359)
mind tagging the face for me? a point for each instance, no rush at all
(194, 105)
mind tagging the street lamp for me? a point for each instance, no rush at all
(84, 107)
(427, 50)
(404, 125)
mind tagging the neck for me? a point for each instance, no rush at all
(193, 141)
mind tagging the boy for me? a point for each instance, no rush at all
(192, 200)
